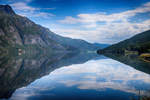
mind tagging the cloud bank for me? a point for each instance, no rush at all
(106, 28)
(25, 10)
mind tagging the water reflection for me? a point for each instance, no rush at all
(132, 60)
(100, 78)
(19, 71)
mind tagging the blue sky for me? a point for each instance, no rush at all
(102, 21)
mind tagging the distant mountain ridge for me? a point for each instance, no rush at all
(20, 31)
(77, 43)
(139, 43)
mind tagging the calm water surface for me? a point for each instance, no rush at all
(97, 79)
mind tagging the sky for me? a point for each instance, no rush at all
(101, 21)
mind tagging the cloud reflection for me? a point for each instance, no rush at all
(103, 74)
(99, 75)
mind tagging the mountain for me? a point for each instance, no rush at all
(6, 9)
(77, 43)
(137, 44)
(20, 32)
(102, 46)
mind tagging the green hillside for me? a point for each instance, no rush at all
(137, 44)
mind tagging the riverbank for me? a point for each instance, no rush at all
(145, 57)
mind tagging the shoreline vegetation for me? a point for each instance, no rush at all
(138, 45)
(145, 57)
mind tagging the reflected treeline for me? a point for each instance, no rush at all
(136, 62)
(141, 96)
(19, 71)
(132, 60)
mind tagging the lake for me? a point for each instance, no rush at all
(75, 77)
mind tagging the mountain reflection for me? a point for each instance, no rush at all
(100, 78)
(73, 76)
(19, 71)
(131, 60)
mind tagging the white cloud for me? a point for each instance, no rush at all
(22, 6)
(36, 14)
(108, 33)
(96, 75)
(69, 20)
(25, 92)
(115, 74)
(25, 10)
(100, 17)
(106, 28)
